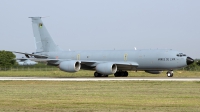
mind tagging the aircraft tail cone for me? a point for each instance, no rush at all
(189, 60)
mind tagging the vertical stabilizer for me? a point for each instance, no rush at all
(44, 42)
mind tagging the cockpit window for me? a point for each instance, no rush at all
(180, 55)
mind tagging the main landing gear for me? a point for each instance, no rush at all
(117, 74)
(170, 73)
(121, 74)
(96, 74)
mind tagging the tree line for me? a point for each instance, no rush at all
(7, 59)
(194, 66)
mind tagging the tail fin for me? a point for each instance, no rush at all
(44, 42)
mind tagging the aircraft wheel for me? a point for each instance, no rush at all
(117, 74)
(121, 74)
(170, 74)
(125, 74)
(96, 74)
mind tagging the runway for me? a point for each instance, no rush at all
(98, 79)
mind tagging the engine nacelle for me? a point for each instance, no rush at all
(153, 71)
(106, 68)
(70, 66)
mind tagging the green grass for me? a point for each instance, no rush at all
(85, 73)
(124, 96)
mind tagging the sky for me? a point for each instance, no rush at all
(104, 24)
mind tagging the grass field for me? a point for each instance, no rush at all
(91, 96)
(85, 73)
(124, 96)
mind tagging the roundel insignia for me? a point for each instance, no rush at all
(40, 25)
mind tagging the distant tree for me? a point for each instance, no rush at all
(198, 62)
(190, 67)
(194, 66)
(7, 59)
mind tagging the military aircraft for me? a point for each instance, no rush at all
(105, 62)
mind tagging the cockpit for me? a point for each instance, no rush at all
(188, 59)
(180, 55)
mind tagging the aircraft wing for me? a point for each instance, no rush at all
(127, 63)
(94, 63)
(42, 56)
(42, 60)
(35, 59)
(90, 63)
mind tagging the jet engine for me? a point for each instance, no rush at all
(153, 71)
(106, 68)
(70, 66)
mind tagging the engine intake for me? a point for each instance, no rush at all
(70, 66)
(106, 68)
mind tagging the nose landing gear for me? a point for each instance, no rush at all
(170, 73)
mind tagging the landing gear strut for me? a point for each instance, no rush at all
(170, 73)
(121, 74)
(96, 74)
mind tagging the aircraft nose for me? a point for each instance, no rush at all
(189, 60)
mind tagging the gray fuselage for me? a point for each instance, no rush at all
(146, 59)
